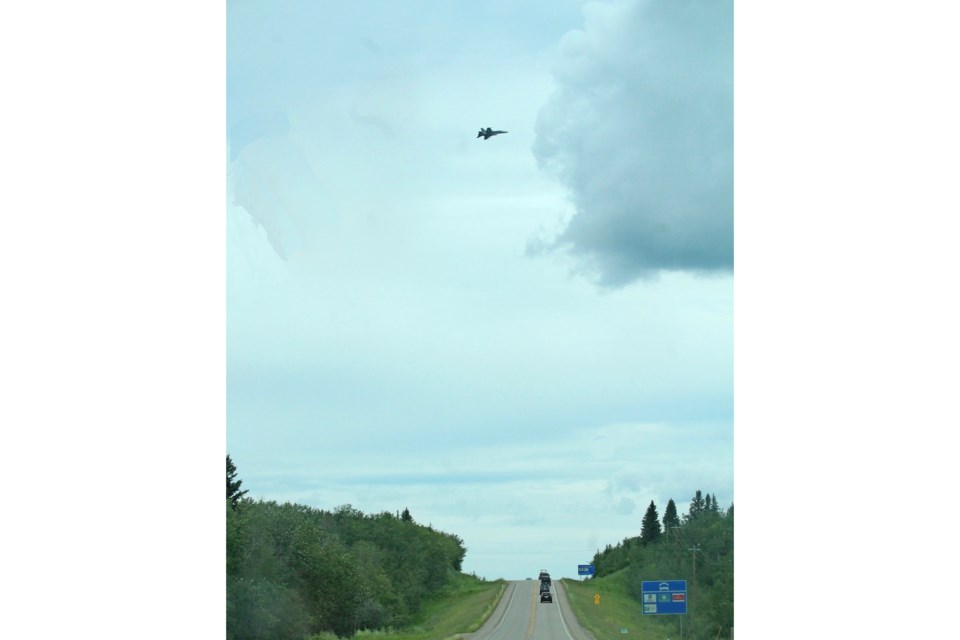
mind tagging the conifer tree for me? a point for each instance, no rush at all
(670, 517)
(406, 517)
(650, 527)
(697, 505)
(233, 486)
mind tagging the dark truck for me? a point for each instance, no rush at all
(545, 595)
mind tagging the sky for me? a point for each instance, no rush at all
(523, 340)
(118, 309)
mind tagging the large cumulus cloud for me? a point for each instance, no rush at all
(640, 129)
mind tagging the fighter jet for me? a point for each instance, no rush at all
(486, 133)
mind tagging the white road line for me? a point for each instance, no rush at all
(505, 611)
(560, 611)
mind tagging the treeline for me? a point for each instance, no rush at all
(294, 571)
(697, 547)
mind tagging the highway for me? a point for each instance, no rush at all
(521, 616)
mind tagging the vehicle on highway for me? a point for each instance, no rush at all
(546, 596)
(544, 576)
(544, 587)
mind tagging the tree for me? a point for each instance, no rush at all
(405, 516)
(670, 517)
(697, 505)
(650, 528)
(233, 486)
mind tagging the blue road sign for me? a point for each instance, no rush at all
(585, 569)
(661, 597)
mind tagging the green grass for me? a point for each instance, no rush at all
(617, 610)
(461, 608)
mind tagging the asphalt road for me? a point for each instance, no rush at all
(521, 616)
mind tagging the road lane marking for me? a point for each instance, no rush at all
(506, 611)
(533, 614)
(560, 611)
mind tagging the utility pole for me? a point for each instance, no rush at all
(695, 550)
(693, 583)
(676, 544)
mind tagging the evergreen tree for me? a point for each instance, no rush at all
(708, 503)
(670, 517)
(233, 486)
(697, 505)
(714, 505)
(406, 517)
(650, 528)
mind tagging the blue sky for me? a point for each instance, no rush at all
(521, 338)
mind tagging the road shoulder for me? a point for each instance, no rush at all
(573, 625)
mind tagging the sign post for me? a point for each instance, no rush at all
(585, 569)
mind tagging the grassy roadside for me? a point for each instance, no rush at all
(462, 608)
(616, 611)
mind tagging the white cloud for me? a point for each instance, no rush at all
(640, 130)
